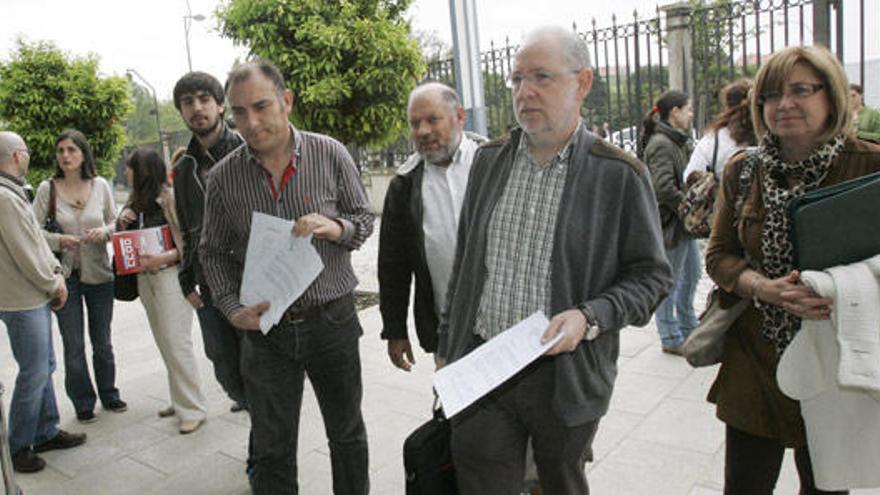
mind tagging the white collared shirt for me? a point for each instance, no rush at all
(443, 191)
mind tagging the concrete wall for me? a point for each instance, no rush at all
(376, 183)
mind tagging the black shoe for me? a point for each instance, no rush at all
(63, 440)
(26, 461)
(237, 406)
(86, 417)
(117, 406)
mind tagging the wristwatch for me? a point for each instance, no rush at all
(592, 324)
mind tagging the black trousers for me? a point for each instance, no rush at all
(489, 441)
(752, 465)
(324, 348)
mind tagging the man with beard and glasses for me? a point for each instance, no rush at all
(199, 99)
(420, 219)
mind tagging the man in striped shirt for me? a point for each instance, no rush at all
(309, 178)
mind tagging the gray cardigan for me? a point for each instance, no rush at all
(607, 252)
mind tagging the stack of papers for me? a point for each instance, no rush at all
(278, 267)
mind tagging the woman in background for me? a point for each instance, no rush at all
(170, 315)
(667, 146)
(84, 209)
(729, 132)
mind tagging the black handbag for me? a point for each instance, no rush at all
(427, 458)
(51, 225)
(125, 287)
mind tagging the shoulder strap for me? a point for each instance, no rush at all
(17, 193)
(746, 172)
(714, 155)
(50, 215)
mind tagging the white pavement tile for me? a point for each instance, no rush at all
(214, 474)
(121, 476)
(639, 468)
(639, 392)
(696, 386)
(184, 452)
(683, 424)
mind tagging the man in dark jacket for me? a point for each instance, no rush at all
(199, 99)
(420, 219)
(557, 220)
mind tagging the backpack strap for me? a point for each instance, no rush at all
(714, 156)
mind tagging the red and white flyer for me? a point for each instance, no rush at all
(130, 244)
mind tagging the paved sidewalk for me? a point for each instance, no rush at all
(660, 436)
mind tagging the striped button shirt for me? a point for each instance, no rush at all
(326, 182)
(520, 242)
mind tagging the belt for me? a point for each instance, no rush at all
(297, 315)
(294, 316)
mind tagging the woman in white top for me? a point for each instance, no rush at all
(729, 132)
(85, 211)
(151, 204)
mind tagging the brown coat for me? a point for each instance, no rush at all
(745, 390)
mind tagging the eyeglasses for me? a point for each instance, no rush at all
(538, 79)
(797, 91)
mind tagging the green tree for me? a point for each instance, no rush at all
(44, 91)
(141, 124)
(716, 35)
(349, 63)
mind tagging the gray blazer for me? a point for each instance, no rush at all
(607, 253)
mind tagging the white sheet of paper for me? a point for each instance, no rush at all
(278, 267)
(463, 382)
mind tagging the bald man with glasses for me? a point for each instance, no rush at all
(32, 284)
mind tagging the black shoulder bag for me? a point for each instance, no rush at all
(51, 225)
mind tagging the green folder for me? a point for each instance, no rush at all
(836, 225)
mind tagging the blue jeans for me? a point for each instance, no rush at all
(223, 348)
(33, 414)
(675, 315)
(325, 348)
(98, 299)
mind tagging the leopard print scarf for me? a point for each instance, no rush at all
(776, 248)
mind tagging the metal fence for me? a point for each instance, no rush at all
(629, 62)
(731, 40)
(727, 39)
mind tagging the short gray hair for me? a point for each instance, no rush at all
(574, 48)
(9, 143)
(243, 72)
(449, 96)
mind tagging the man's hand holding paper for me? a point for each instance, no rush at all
(278, 268)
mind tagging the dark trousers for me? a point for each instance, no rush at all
(97, 299)
(752, 465)
(489, 440)
(223, 348)
(323, 347)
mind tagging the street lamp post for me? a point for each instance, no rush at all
(132, 72)
(187, 23)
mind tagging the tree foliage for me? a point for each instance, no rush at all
(44, 91)
(349, 63)
(141, 124)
